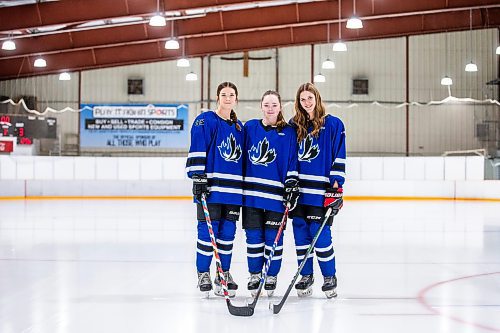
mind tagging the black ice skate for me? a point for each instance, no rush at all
(270, 285)
(304, 286)
(329, 286)
(253, 283)
(204, 282)
(231, 285)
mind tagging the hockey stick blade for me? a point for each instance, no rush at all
(270, 257)
(247, 311)
(277, 307)
(244, 311)
(240, 311)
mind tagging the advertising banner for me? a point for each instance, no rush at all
(132, 126)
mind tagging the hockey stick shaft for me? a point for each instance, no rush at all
(237, 311)
(277, 307)
(270, 258)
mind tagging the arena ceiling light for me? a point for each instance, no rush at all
(446, 80)
(471, 66)
(40, 62)
(340, 46)
(9, 45)
(328, 64)
(354, 21)
(158, 20)
(191, 76)
(319, 78)
(172, 43)
(183, 62)
(65, 76)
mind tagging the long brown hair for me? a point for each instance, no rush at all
(301, 118)
(280, 121)
(232, 116)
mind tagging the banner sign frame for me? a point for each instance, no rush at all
(134, 126)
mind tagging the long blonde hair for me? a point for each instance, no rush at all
(232, 116)
(301, 118)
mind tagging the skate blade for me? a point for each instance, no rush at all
(220, 292)
(254, 293)
(330, 294)
(270, 293)
(205, 294)
(304, 292)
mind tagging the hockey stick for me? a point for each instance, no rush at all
(277, 307)
(244, 311)
(270, 258)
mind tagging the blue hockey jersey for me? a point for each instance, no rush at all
(270, 159)
(216, 150)
(321, 161)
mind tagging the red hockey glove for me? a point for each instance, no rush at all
(333, 199)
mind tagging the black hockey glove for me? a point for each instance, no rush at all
(333, 198)
(291, 193)
(200, 186)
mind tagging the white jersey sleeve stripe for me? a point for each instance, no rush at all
(316, 178)
(224, 176)
(195, 168)
(197, 154)
(311, 191)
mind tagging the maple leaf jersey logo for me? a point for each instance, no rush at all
(262, 155)
(308, 151)
(229, 150)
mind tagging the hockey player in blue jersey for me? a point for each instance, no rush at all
(322, 160)
(215, 164)
(270, 182)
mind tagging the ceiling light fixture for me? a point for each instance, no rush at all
(9, 45)
(158, 20)
(172, 43)
(40, 62)
(354, 21)
(328, 63)
(64, 76)
(471, 66)
(339, 46)
(191, 76)
(446, 80)
(319, 78)
(183, 62)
